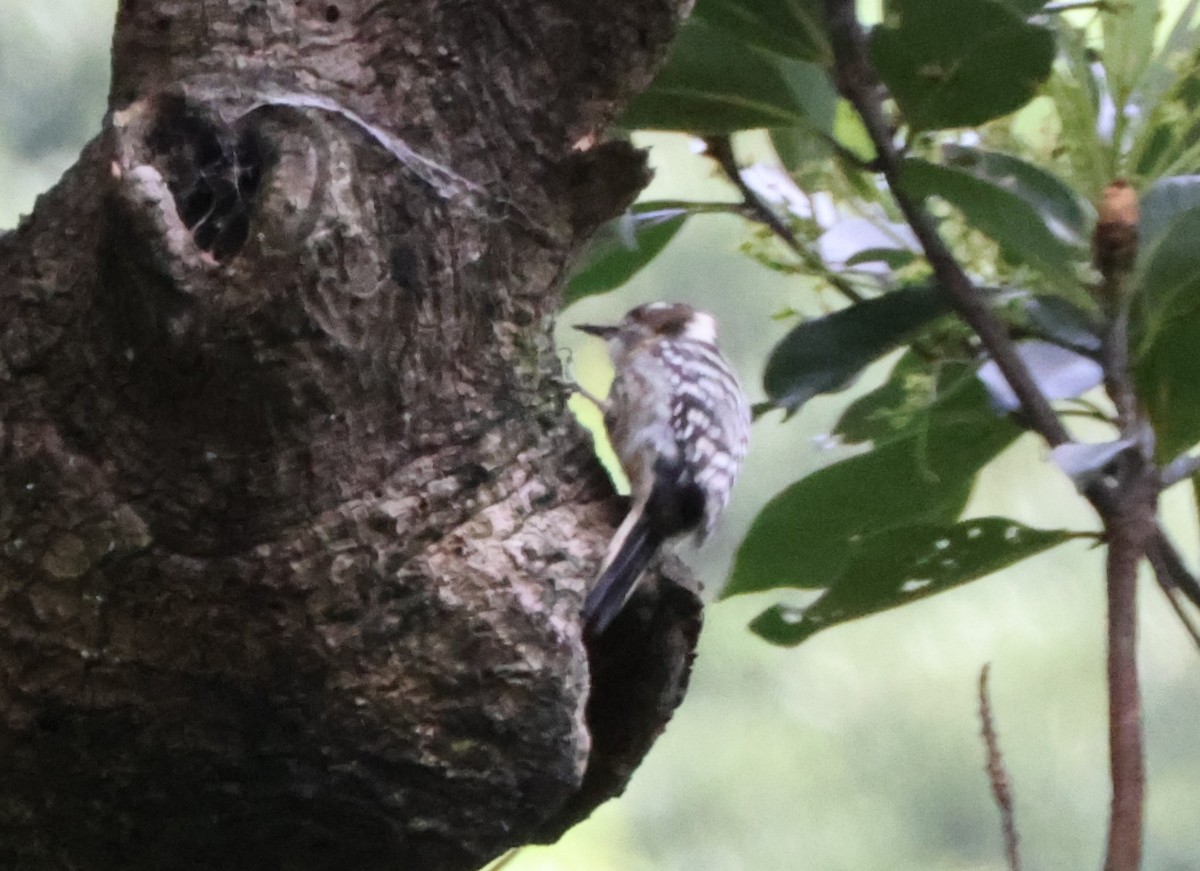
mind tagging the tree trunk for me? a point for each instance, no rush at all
(294, 525)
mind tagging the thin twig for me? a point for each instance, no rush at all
(1086, 413)
(1161, 551)
(1189, 625)
(1165, 572)
(1114, 358)
(720, 149)
(997, 774)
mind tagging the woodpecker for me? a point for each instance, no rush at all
(679, 423)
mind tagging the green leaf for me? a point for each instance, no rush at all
(834, 122)
(797, 147)
(893, 258)
(795, 28)
(1166, 291)
(999, 213)
(622, 247)
(1067, 215)
(804, 536)
(959, 63)
(1128, 45)
(1162, 203)
(1165, 374)
(905, 401)
(826, 354)
(812, 90)
(1063, 323)
(1167, 90)
(715, 83)
(1025, 8)
(898, 566)
(1166, 280)
(850, 131)
(1075, 92)
(1171, 141)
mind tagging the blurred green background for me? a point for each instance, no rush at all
(860, 749)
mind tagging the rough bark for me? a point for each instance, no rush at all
(294, 525)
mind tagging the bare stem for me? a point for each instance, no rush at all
(1133, 532)
(720, 149)
(1174, 578)
(1128, 539)
(1114, 357)
(997, 774)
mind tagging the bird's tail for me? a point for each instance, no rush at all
(621, 571)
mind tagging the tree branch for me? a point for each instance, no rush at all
(1131, 527)
(1126, 502)
(997, 774)
(720, 149)
(1129, 534)
(1173, 577)
(857, 82)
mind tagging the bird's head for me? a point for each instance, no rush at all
(668, 320)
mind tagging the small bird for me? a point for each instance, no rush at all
(679, 423)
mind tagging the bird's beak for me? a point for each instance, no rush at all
(595, 330)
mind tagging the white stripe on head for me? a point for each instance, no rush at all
(701, 327)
